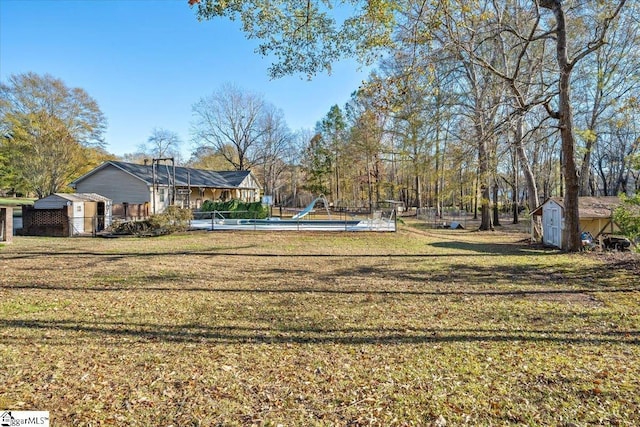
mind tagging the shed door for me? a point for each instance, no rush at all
(555, 236)
(78, 218)
(90, 216)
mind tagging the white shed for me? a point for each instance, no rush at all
(595, 217)
(552, 212)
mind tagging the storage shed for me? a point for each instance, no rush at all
(62, 214)
(596, 217)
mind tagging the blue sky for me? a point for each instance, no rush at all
(146, 62)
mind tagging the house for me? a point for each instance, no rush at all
(62, 214)
(160, 185)
(595, 217)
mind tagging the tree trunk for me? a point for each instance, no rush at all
(475, 198)
(418, 192)
(496, 207)
(461, 190)
(514, 194)
(483, 160)
(532, 187)
(437, 178)
(585, 170)
(337, 178)
(530, 180)
(571, 232)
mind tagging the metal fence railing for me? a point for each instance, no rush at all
(384, 220)
(449, 218)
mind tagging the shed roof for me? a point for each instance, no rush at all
(78, 197)
(588, 207)
(61, 199)
(83, 197)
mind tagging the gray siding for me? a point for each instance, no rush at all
(116, 185)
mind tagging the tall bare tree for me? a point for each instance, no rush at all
(230, 121)
(275, 146)
(484, 93)
(162, 143)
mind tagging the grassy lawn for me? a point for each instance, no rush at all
(15, 201)
(416, 327)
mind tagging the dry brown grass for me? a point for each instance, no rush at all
(258, 328)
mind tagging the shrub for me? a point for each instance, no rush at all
(172, 220)
(139, 228)
(627, 216)
(237, 209)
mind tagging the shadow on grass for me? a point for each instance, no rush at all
(119, 256)
(384, 277)
(593, 277)
(325, 290)
(498, 249)
(479, 249)
(192, 333)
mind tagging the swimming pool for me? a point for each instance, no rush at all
(294, 224)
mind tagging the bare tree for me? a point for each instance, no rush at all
(230, 121)
(606, 88)
(161, 144)
(505, 49)
(484, 94)
(275, 144)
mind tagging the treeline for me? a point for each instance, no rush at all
(466, 114)
(467, 108)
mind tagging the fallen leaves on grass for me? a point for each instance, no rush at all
(310, 329)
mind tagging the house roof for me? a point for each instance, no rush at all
(183, 176)
(588, 207)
